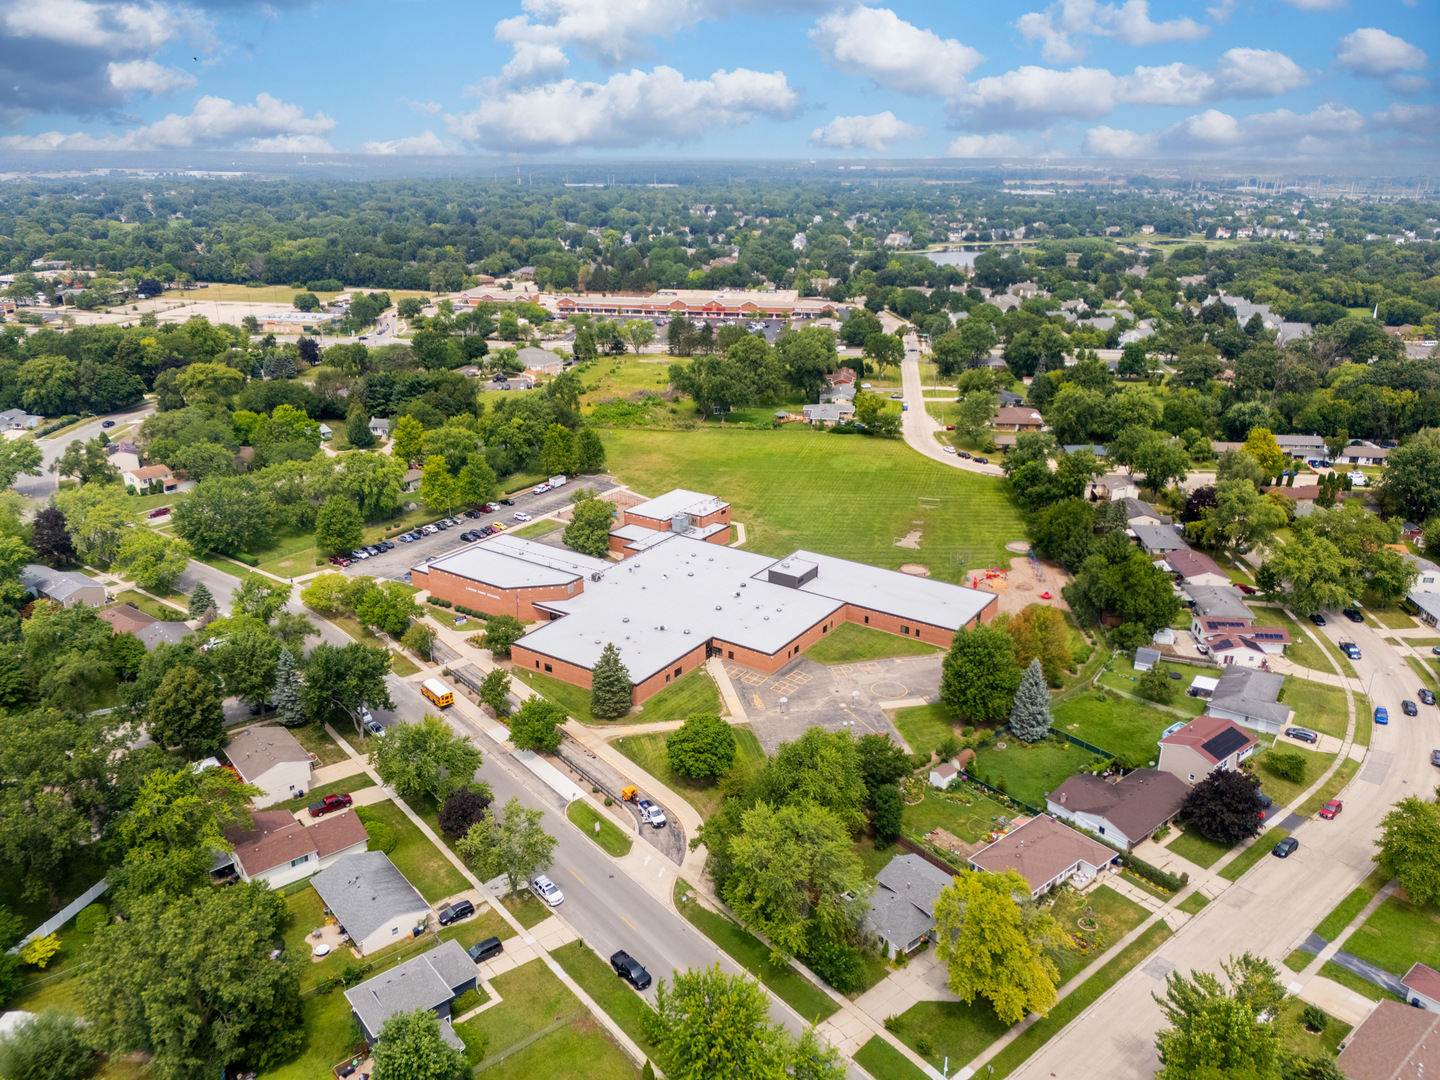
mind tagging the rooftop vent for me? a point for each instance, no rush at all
(625, 619)
(717, 607)
(687, 631)
(690, 574)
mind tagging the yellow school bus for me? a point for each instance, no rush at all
(437, 692)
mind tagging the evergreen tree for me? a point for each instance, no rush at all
(201, 601)
(610, 686)
(1030, 718)
(288, 702)
(357, 430)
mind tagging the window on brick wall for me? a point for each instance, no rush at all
(732, 654)
(548, 667)
(867, 620)
(904, 629)
(677, 673)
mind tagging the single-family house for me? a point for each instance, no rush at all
(140, 479)
(277, 849)
(1410, 531)
(1251, 698)
(1146, 658)
(65, 587)
(1204, 745)
(1139, 512)
(1008, 399)
(942, 774)
(1363, 455)
(1302, 495)
(430, 981)
(273, 760)
(128, 619)
(1423, 985)
(1114, 486)
(326, 434)
(380, 427)
(18, 420)
(838, 392)
(1017, 418)
(902, 908)
(1197, 568)
(1046, 853)
(411, 480)
(1252, 647)
(841, 376)
(540, 361)
(1395, 1042)
(1425, 590)
(1158, 539)
(828, 415)
(1217, 602)
(371, 899)
(1124, 812)
(1300, 446)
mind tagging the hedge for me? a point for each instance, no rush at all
(482, 616)
(92, 918)
(1153, 874)
(436, 602)
(55, 425)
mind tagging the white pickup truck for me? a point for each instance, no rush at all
(651, 813)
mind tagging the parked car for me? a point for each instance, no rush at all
(108, 423)
(329, 804)
(359, 555)
(507, 502)
(897, 397)
(948, 449)
(472, 514)
(386, 545)
(428, 530)
(1302, 734)
(372, 550)
(547, 890)
(1317, 619)
(982, 461)
(457, 911)
(629, 969)
(1285, 848)
(1331, 808)
(539, 489)
(405, 538)
(499, 526)
(490, 507)
(521, 515)
(159, 511)
(962, 453)
(1435, 650)
(1409, 708)
(1350, 649)
(374, 727)
(1427, 696)
(1353, 614)
(651, 814)
(1435, 757)
(488, 949)
(1381, 716)
(338, 560)
(441, 525)
(469, 536)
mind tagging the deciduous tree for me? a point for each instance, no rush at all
(186, 713)
(345, 678)
(1408, 838)
(502, 631)
(535, 725)
(337, 526)
(425, 758)
(511, 844)
(495, 691)
(702, 747)
(50, 539)
(463, 809)
(590, 523)
(1225, 806)
(979, 675)
(152, 560)
(889, 813)
(410, 1047)
(1215, 1031)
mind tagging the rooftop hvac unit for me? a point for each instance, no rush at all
(595, 576)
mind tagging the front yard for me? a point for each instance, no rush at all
(1396, 935)
(1318, 706)
(924, 727)
(648, 752)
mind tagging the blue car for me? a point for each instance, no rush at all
(1381, 716)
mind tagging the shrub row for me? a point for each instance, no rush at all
(437, 602)
(55, 425)
(1153, 874)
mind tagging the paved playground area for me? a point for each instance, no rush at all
(844, 696)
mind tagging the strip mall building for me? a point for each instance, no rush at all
(680, 596)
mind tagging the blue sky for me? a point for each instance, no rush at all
(1308, 80)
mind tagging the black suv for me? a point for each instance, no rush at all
(491, 946)
(1409, 708)
(456, 912)
(1353, 614)
(1318, 620)
(1427, 696)
(1302, 734)
(629, 969)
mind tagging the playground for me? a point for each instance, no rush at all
(1028, 580)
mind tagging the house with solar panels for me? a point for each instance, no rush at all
(1195, 750)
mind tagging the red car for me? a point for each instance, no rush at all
(159, 511)
(329, 804)
(1249, 590)
(1331, 808)
(339, 560)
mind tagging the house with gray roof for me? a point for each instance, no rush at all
(1425, 591)
(1158, 539)
(1138, 512)
(838, 392)
(1216, 602)
(371, 899)
(430, 981)
(62, 586)
(18, 420)
(902, 909)
(829, 414)
(1251, 698)
(380, 427)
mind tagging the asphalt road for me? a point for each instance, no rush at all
(47, 483)
(1273, 908)
(919, 427)
(397, 563)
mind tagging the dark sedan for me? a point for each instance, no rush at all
(1285, 848)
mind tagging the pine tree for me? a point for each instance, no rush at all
(1030, 718)
(648, 1073)
(200, 601)
(610, 686)
(289, 706)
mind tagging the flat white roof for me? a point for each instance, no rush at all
(679, 501)
(935, 602)
(510, 562)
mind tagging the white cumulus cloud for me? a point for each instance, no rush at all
(1257, 73)
(147, 77)
(427, 142)
(628, 109)
(268, 124)
(875, 132)
(892, 53)
(1128, 23)
(1323, 132)
(1033, 97)
(1373, 52)
(1116, 143)
(1319, 5)
(990, 146)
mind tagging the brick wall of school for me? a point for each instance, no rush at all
(491, 600)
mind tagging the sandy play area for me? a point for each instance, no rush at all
(1025, 583)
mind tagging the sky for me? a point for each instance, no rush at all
(1306, 80)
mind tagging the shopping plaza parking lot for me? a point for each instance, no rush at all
(396, 563)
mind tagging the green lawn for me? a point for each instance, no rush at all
(1120, 674)
(150, 605)
(782, 485)
(1344, 912)
(608, 836)
(346, 786)
(528, 909)
(1294, 1037)
(1194, 903)
(1283, 791)
(1332, 787)
(1396, 935)
(1029, 771)
(648, 752)
(1260, 849)
(1424, 674)
(967, 815)
(1128, 729)
(807, 999)
(1390, 617)
(924, 727)
(1303, 649)
(619, 1002)
(1115, 914)
(937, 1030)
(1077, 1001)
(694, 692)
(579, 1048)
(851, 644)
(1364, 720)
(416, 857)
(883, 1062)
(1318, 705)
(1363, 987)
(314, 738)
(537, 528)
(1200, 850)
(331, 1034)
(532, 998)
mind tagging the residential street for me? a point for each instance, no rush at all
(1274, 907)
(47, 483)
(919, 427)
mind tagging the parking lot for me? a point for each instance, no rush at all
(396, 564)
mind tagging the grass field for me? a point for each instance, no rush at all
(532, 998)
(1120, 674)
(1127, 729)
(1318, 705)
(579, 1048)
(1028, 771)
(1200, 850)
(1116, 916)
(150, 605)
(537, 528)
(1343, 914)
(882, 1061)
(330, 1035)
(1277, 787)
(971, 821)
(416, 857)
(924, 727)
(782, 484)
(850, 644)
(648, 751)
(807, 999)
(1324, 1044)
(1260, 849)
(620, 1003)
(609, 836)
(314, 738)
(1194, 903)
(346, 786)
(694, 692)
(1396, 935)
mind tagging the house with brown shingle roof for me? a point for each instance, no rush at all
(1045, 853)
(1197, 568)
(1394, 1042)
(277, 849)
(1203, 745)
(1124, 812)
(1017, 418)
(1423, 984)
